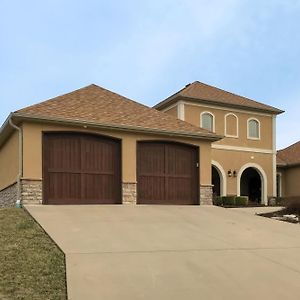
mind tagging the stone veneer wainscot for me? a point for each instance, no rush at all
(206, 195)
(8, 196)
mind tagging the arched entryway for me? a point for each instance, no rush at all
(252, 182)
(218, 178)
(251, 185)
(216, 182)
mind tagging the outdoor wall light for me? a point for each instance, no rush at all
(232, 174)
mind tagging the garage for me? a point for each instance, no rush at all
(167, 173)
(81, 169)
(93, 146)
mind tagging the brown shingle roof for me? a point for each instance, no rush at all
(289, 156)
(280, 161)
(99, 106)
(206, 93)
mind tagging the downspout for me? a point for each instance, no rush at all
(20, 175)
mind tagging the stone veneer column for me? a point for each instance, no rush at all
(206, 194)
(129, 192)
(31, 191)
(8, 196)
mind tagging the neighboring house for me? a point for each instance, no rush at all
(94, 146)
(288, 171)
(244, 162)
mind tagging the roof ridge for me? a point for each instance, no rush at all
(199, 91)
(186, 86)
(80, 89)
(133, 101)
(233, 94)
(55, 97)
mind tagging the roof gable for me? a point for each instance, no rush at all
(199, 91)
(100, 106)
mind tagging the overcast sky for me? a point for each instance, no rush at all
(146, 50)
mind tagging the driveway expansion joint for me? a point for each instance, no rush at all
(181, 251)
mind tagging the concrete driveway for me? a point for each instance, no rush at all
(173, 252)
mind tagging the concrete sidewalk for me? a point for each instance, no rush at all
(173, 252)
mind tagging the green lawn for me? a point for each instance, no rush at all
(31, 265)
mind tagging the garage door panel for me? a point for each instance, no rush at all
(151, 189)
(64, 186)
(167, 173)
(98, 155)
(81, 169)
(180, 190)
(107, 193)
(152, 160)
(66, 155)
(179, 161)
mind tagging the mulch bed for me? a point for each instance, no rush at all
(285, 215)
(291, 212)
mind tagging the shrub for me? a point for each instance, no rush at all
(229, 200)
(279, 201)
(241, 201)
(218, 201)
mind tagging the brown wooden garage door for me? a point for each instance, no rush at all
(167, 173)
(81, 169)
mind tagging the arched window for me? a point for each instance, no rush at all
(208, 121)
(253, 129)
(231, 125)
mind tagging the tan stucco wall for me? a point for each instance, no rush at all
(33, 150)
(236, 160)
(173, 111)
(193, 112)
(290, 181)
(9, 161)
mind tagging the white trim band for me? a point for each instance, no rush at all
(243, 149)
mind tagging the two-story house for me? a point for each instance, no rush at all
(244, 161)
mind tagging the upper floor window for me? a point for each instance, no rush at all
(208, 121)
(253, 129)
(231, 125)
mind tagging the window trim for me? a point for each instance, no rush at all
(213, 120)
(259, 127)
(237, 126)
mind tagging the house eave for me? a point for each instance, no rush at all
(6, 130)
(174, 99)
(26, 117)
(287, 166)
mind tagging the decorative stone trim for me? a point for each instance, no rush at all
(206, 195)
(8, 196)
(31, 191)
(129, 192)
